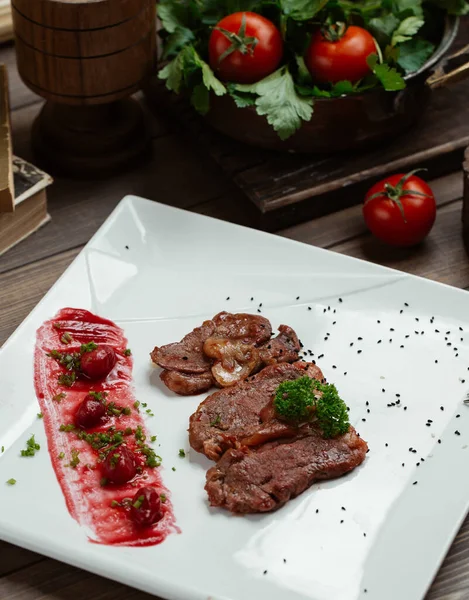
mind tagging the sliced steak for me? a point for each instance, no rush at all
(261, 480)
(283, 348)
(187, 355)
(243, 413)
(187, 384)
(249, 329)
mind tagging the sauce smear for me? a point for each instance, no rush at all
(103, 508)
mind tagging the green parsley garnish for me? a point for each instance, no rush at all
(40, 415)
(67, 379)
(75, 461)
(127, 352)
(138, 503)
(31, 447)
(66, 338)
(173, 468)
(182, 453)
(3, 449)
(89, 347)
(62, 455)
(163, 498)
(115, 504)
(153, 438)
(215, 421)
(59, 397)
(11, 481)
(57, 325)
(149, 412)
(136, 405)
(67, 427)
(307, 399)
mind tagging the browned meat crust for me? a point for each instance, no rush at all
(241, 414)
(247, 481)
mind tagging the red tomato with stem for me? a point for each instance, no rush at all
(340, 53)
(400, 210)
(245, 47)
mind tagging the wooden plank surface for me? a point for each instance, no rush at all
(181, 175)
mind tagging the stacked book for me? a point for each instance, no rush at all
(23, 202)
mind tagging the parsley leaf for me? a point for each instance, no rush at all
(390, 78)
(414, 54)
(383, 27)
(242, 100)
(406, 30)
(302, 10)
(11, 481)
(279, 102)
(31, 447)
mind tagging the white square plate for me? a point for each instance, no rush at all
(158, 272)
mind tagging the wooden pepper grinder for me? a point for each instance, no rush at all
(86, 57)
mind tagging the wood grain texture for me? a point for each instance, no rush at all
(86, 52)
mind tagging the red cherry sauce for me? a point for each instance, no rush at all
(98, 508)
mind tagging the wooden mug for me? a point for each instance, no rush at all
(86, 57)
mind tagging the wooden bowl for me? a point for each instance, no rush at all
(342, 123)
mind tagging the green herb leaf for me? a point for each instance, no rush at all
(414, 54)
(163, 498)
(75, 460)
(66, 338)
(383, 27)
(182, 453)
(11, 481)
(40, 415)
(406, 30)
(127, 352)
(242, 100)
(389, 77)
(89, 347)
(173, 73)
(279, 102)
(59, 397)
(31, 447)
(302, 10)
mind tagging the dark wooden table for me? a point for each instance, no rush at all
(182, 176)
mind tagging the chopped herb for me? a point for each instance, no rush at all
(127, 352)
(144, 404)
(103, 482)
(75, 461)
(59, 397)
(163, 498)
(67, 379)
(216, 421)
(152, 459)
(31, 447)
(62, 455)
(139, 435)
(89, 347)
(136, 405)
(149, 412)
(114, 504)
(40, 415)
(11, 481)
(153, 438)
(182, 453)
(3, 449)
(138, 503)
(67, 427)
(66, 338)
(173, 468)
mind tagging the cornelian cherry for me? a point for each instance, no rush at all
(90, 413)
(98, 363)
(120, 465)
(146, 507)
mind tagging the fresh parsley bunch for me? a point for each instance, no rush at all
(406, 33)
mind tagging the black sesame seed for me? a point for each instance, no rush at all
(185, 358)
(265, 572)
(461, 329)
(360, 339)
(284, 560)
(364, 420)
(260, 305)
(428, 424)
(430, 420)
(422, 460)
(407, 336)
(415, 483)
(457, 432)
(317, 510)
(359, 351)
(386, 445)
(297, 297)
(391, 329)
(227, 297)
(333, 311)
(405, 407)
(403, 464)
(334, 322)
(258, 310)
(252, 299)
(126, 247)
(378, 321)
(343, 507)
(417, 464)
(383, 390)
(351, 344)
(463, 381)
(401, 311)
(340, 299)
(334, 367)
(448, 344)
(414, 451)
(398, 395)
(405, 304)
(345, 373)
(457, 416)
(364, 535)
(390, 340)
(324, 310)
(442, 408)
(439, 441)
(309, 307)
(401, 346)
(437, 331)
(436, 362)
(321, 356)
(448, 332)
(341, 520)
(379, 341)
(416, 318)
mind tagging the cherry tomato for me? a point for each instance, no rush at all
(245, 47)
(146, 507)
(332, 57)
(99, 362)
(90, 413)
(400, 210)
(120, 465)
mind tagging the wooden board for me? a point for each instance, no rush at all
(286, 189)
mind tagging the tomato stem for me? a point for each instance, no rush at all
(239, 41)
(333, 32)
(395, 192)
